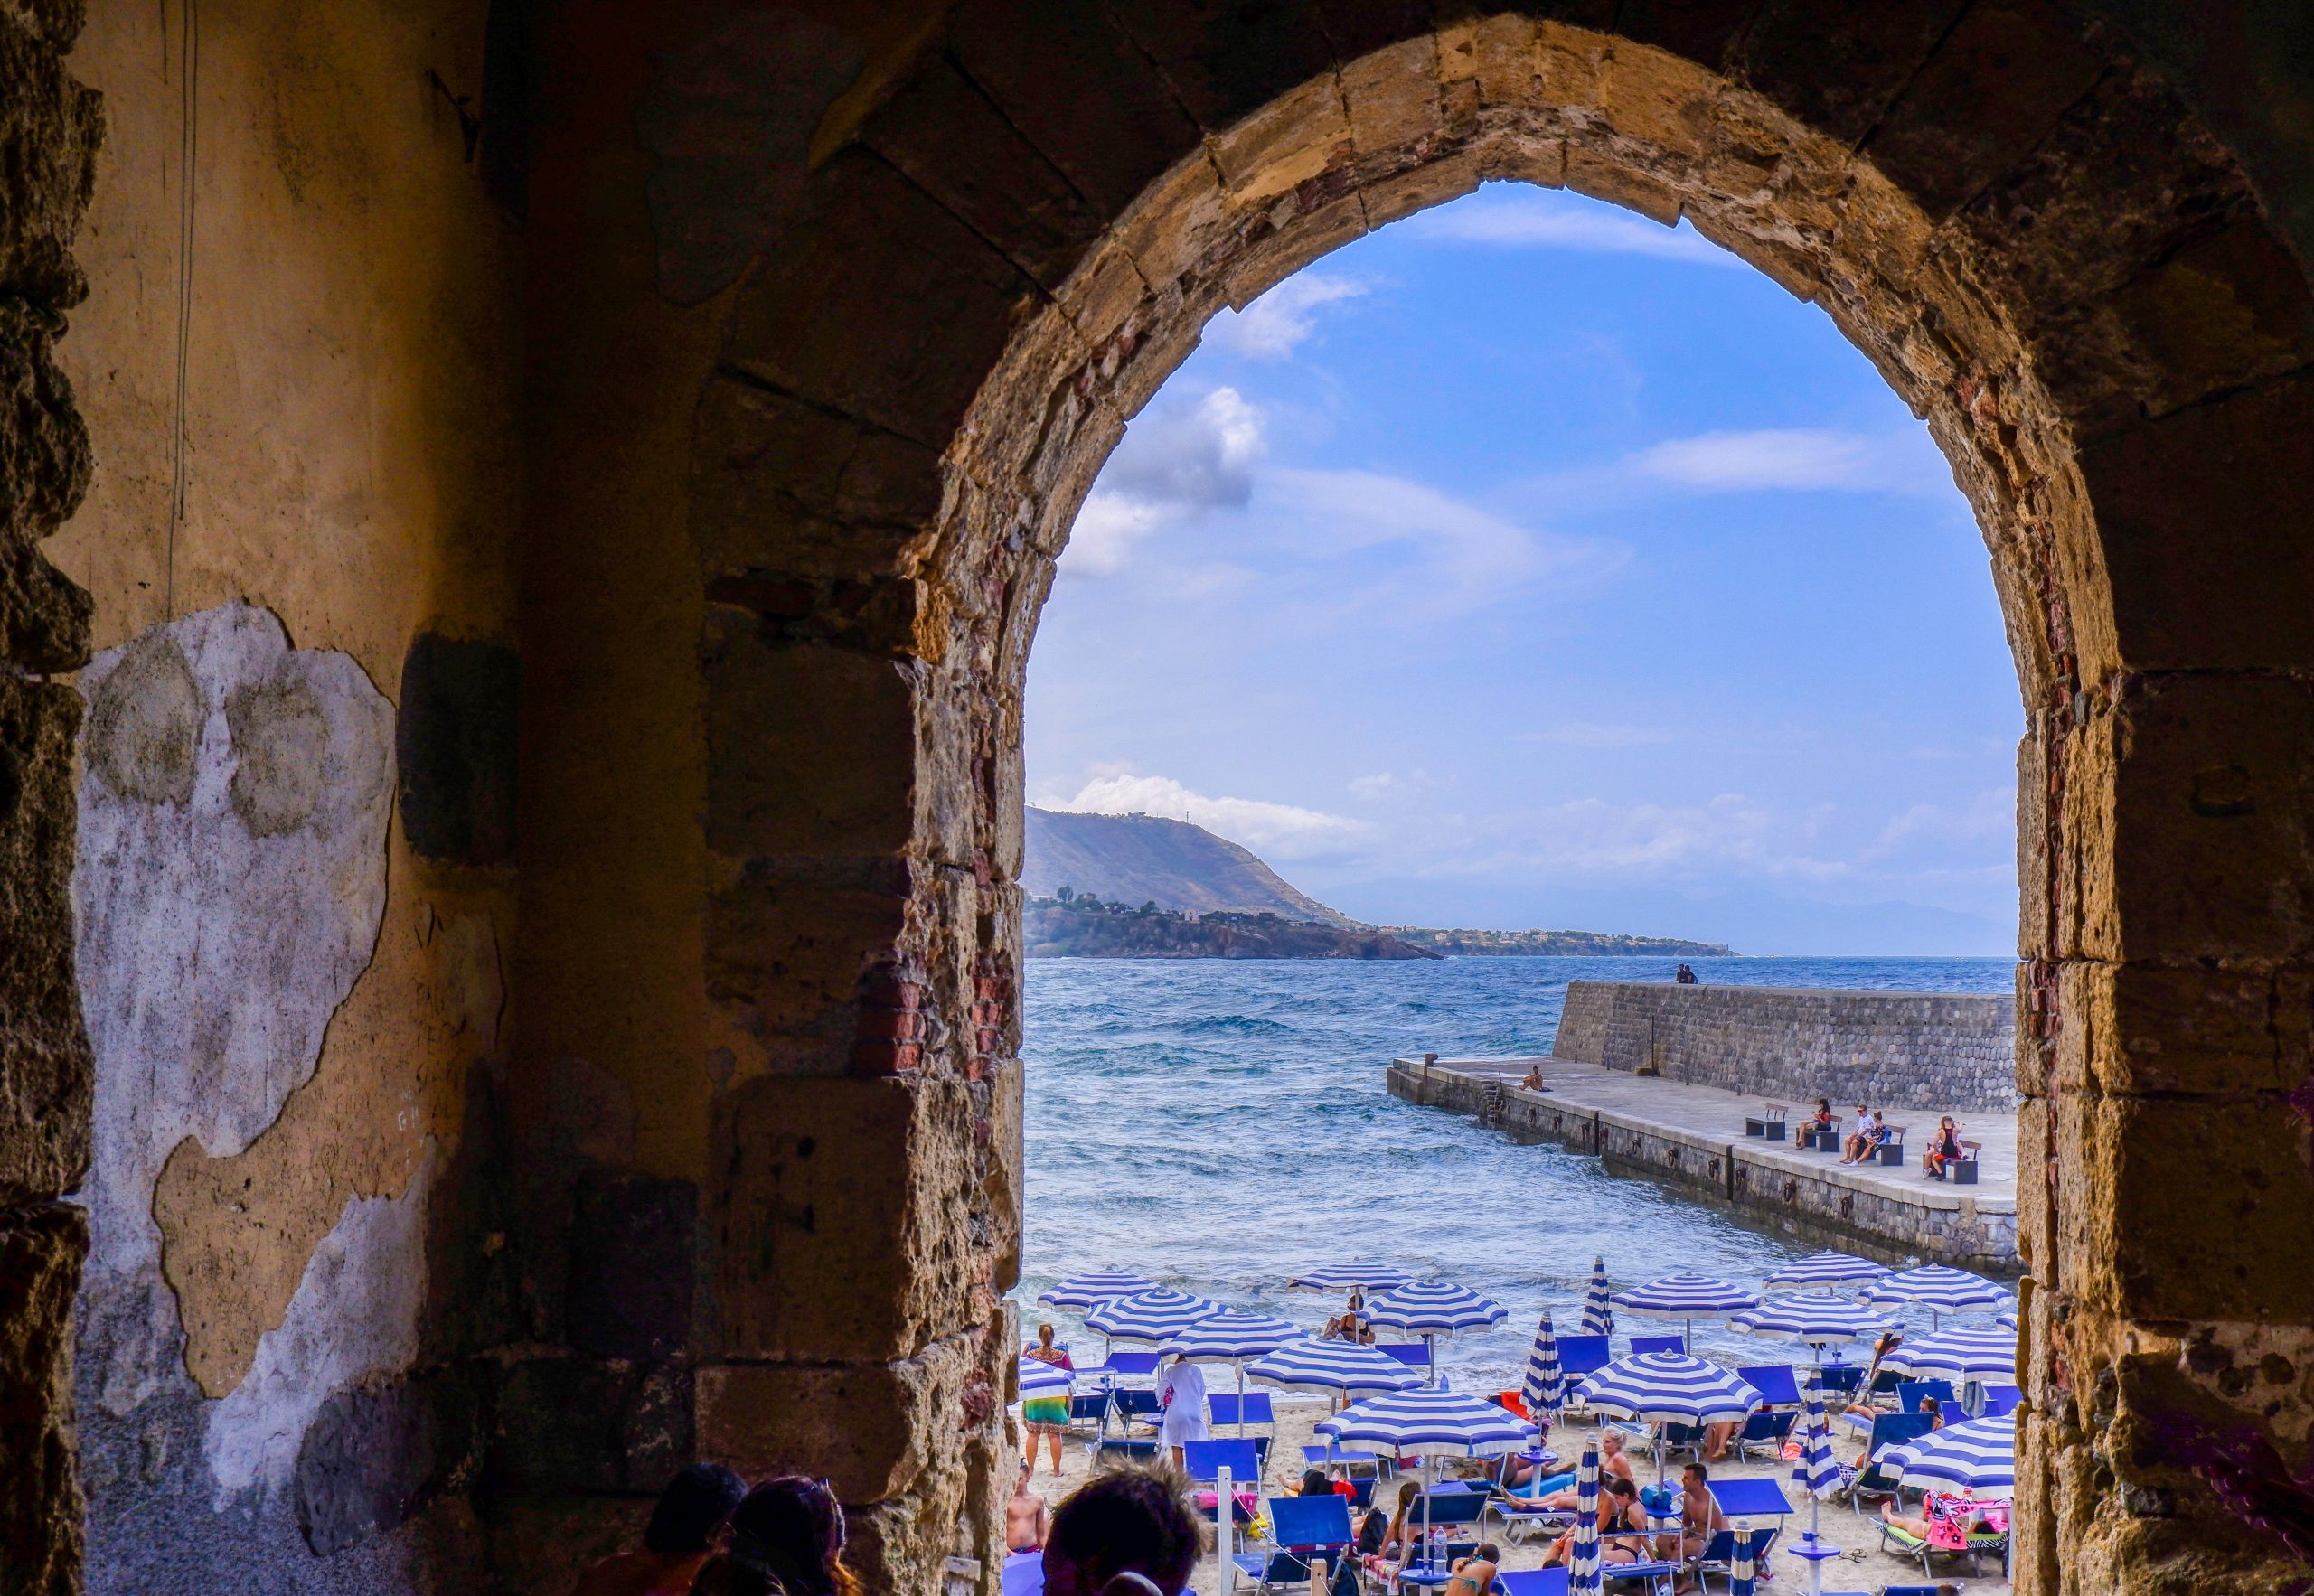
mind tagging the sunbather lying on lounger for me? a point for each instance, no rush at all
(1558, 1490)
(1622, 1524)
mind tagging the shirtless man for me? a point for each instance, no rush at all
(1699, 1515)
(1024, 1517)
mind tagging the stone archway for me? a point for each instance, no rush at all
(2030, 237)
(830, 312)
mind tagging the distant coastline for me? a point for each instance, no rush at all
(1085, 927)
(1560, 944)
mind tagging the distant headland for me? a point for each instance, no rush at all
(1142, 886)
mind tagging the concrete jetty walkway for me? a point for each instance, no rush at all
(1693, 1137)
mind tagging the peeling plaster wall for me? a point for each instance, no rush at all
(300, 374)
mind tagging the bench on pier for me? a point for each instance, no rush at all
(1768, 1123)
(1892, 1146)
(1962, 1171)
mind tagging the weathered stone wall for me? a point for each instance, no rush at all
(293, 891)
(1905, 1049)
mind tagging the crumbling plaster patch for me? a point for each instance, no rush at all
(231, 879)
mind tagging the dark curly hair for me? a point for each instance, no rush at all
(1133, 1519)
(786, 1540)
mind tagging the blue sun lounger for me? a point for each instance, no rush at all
(1532, 1581)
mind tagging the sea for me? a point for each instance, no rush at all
(1220, 1125)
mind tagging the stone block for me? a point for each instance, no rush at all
(2197, 519)
(865, 1428)
(1118, 128)
(2185, 1209)
(376, 1454)
(2186, 833)
(786, 942)
(2143, 1030)
(571, 1425)
(843, 1216)
(1618, 184)
(454, 745)
(1659, 99)
(1226, 62)
(783, 487)
(1494, 56)
(47, 1071)
(954, 142)
(1836, 67)
(1998, 82)
(634, 1260)
(1392, 96)
(810, 747)
(1285, 144)
(877, 303)
(41, 1246)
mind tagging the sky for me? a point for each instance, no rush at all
(1526, 563)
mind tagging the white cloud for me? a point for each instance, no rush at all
(1798, 457)
(1279, 831)
(1175, 462)
(1372, 786)
(1273, 326)
(1535, 220)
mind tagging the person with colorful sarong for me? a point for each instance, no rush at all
(1046, 1418)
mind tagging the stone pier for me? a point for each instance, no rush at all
(1692, 1137)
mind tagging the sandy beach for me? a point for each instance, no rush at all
(1863, 1567)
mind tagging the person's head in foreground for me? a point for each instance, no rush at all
(691, 1509)
(1044, 1337)
(786, 1540)
(1612, 1442)
(1132, 1521)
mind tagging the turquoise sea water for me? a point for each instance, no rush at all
(1220, 1125)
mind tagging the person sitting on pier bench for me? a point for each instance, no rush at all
(1862, 1139)
(1823, 1122)
(1943, 1147)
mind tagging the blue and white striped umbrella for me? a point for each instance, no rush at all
(1153, 1315)
(1582, 1560)
(1817, 1318)
(1965, 1352)
(1432, 1424)
(1434, 1307)
(1937, 1287)
(1311, 1365)
(1598, 1316)
(1668, 1387)
(1978, 1456)
(1686, 1296)
(1545, 1388)
(1230, 1336)
(1090, 1291)
(1360, 1274)
(1826, 1269)
(2006, 1319)
(1038, 1375)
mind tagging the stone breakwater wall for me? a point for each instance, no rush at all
(1889, 1049)
(1767, 1184)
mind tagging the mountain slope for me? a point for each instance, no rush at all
(1137, 858)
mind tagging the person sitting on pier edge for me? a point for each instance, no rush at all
(1864, 1138)
(1533, 1081)
(1943, 1147)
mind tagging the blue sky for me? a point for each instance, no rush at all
(1528, 564)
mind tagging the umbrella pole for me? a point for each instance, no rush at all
(1430, 1356)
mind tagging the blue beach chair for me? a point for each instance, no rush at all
(2001, 1400)
(1910, 1392)
(1779, 1383)
(1887, 1430)
(1533, 1581)
(1639, 1344)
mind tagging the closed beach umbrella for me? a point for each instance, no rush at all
(1816, 1472)
(1965, 1352)
(1978, 1456)
(1431, 1424)
(1360, 1274)
(1817, 1318)
(1154, 1316)
(1431, 1309)
(1668, 1388)
(1583, 1558)
(1038, 1375)
(1687, 1297)
(1740, 1579)
(1233, 1337)
(1598, 1317)
(1544, 1387)
(1826, 1269)
(1938, 1287)
(1092, 1289)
